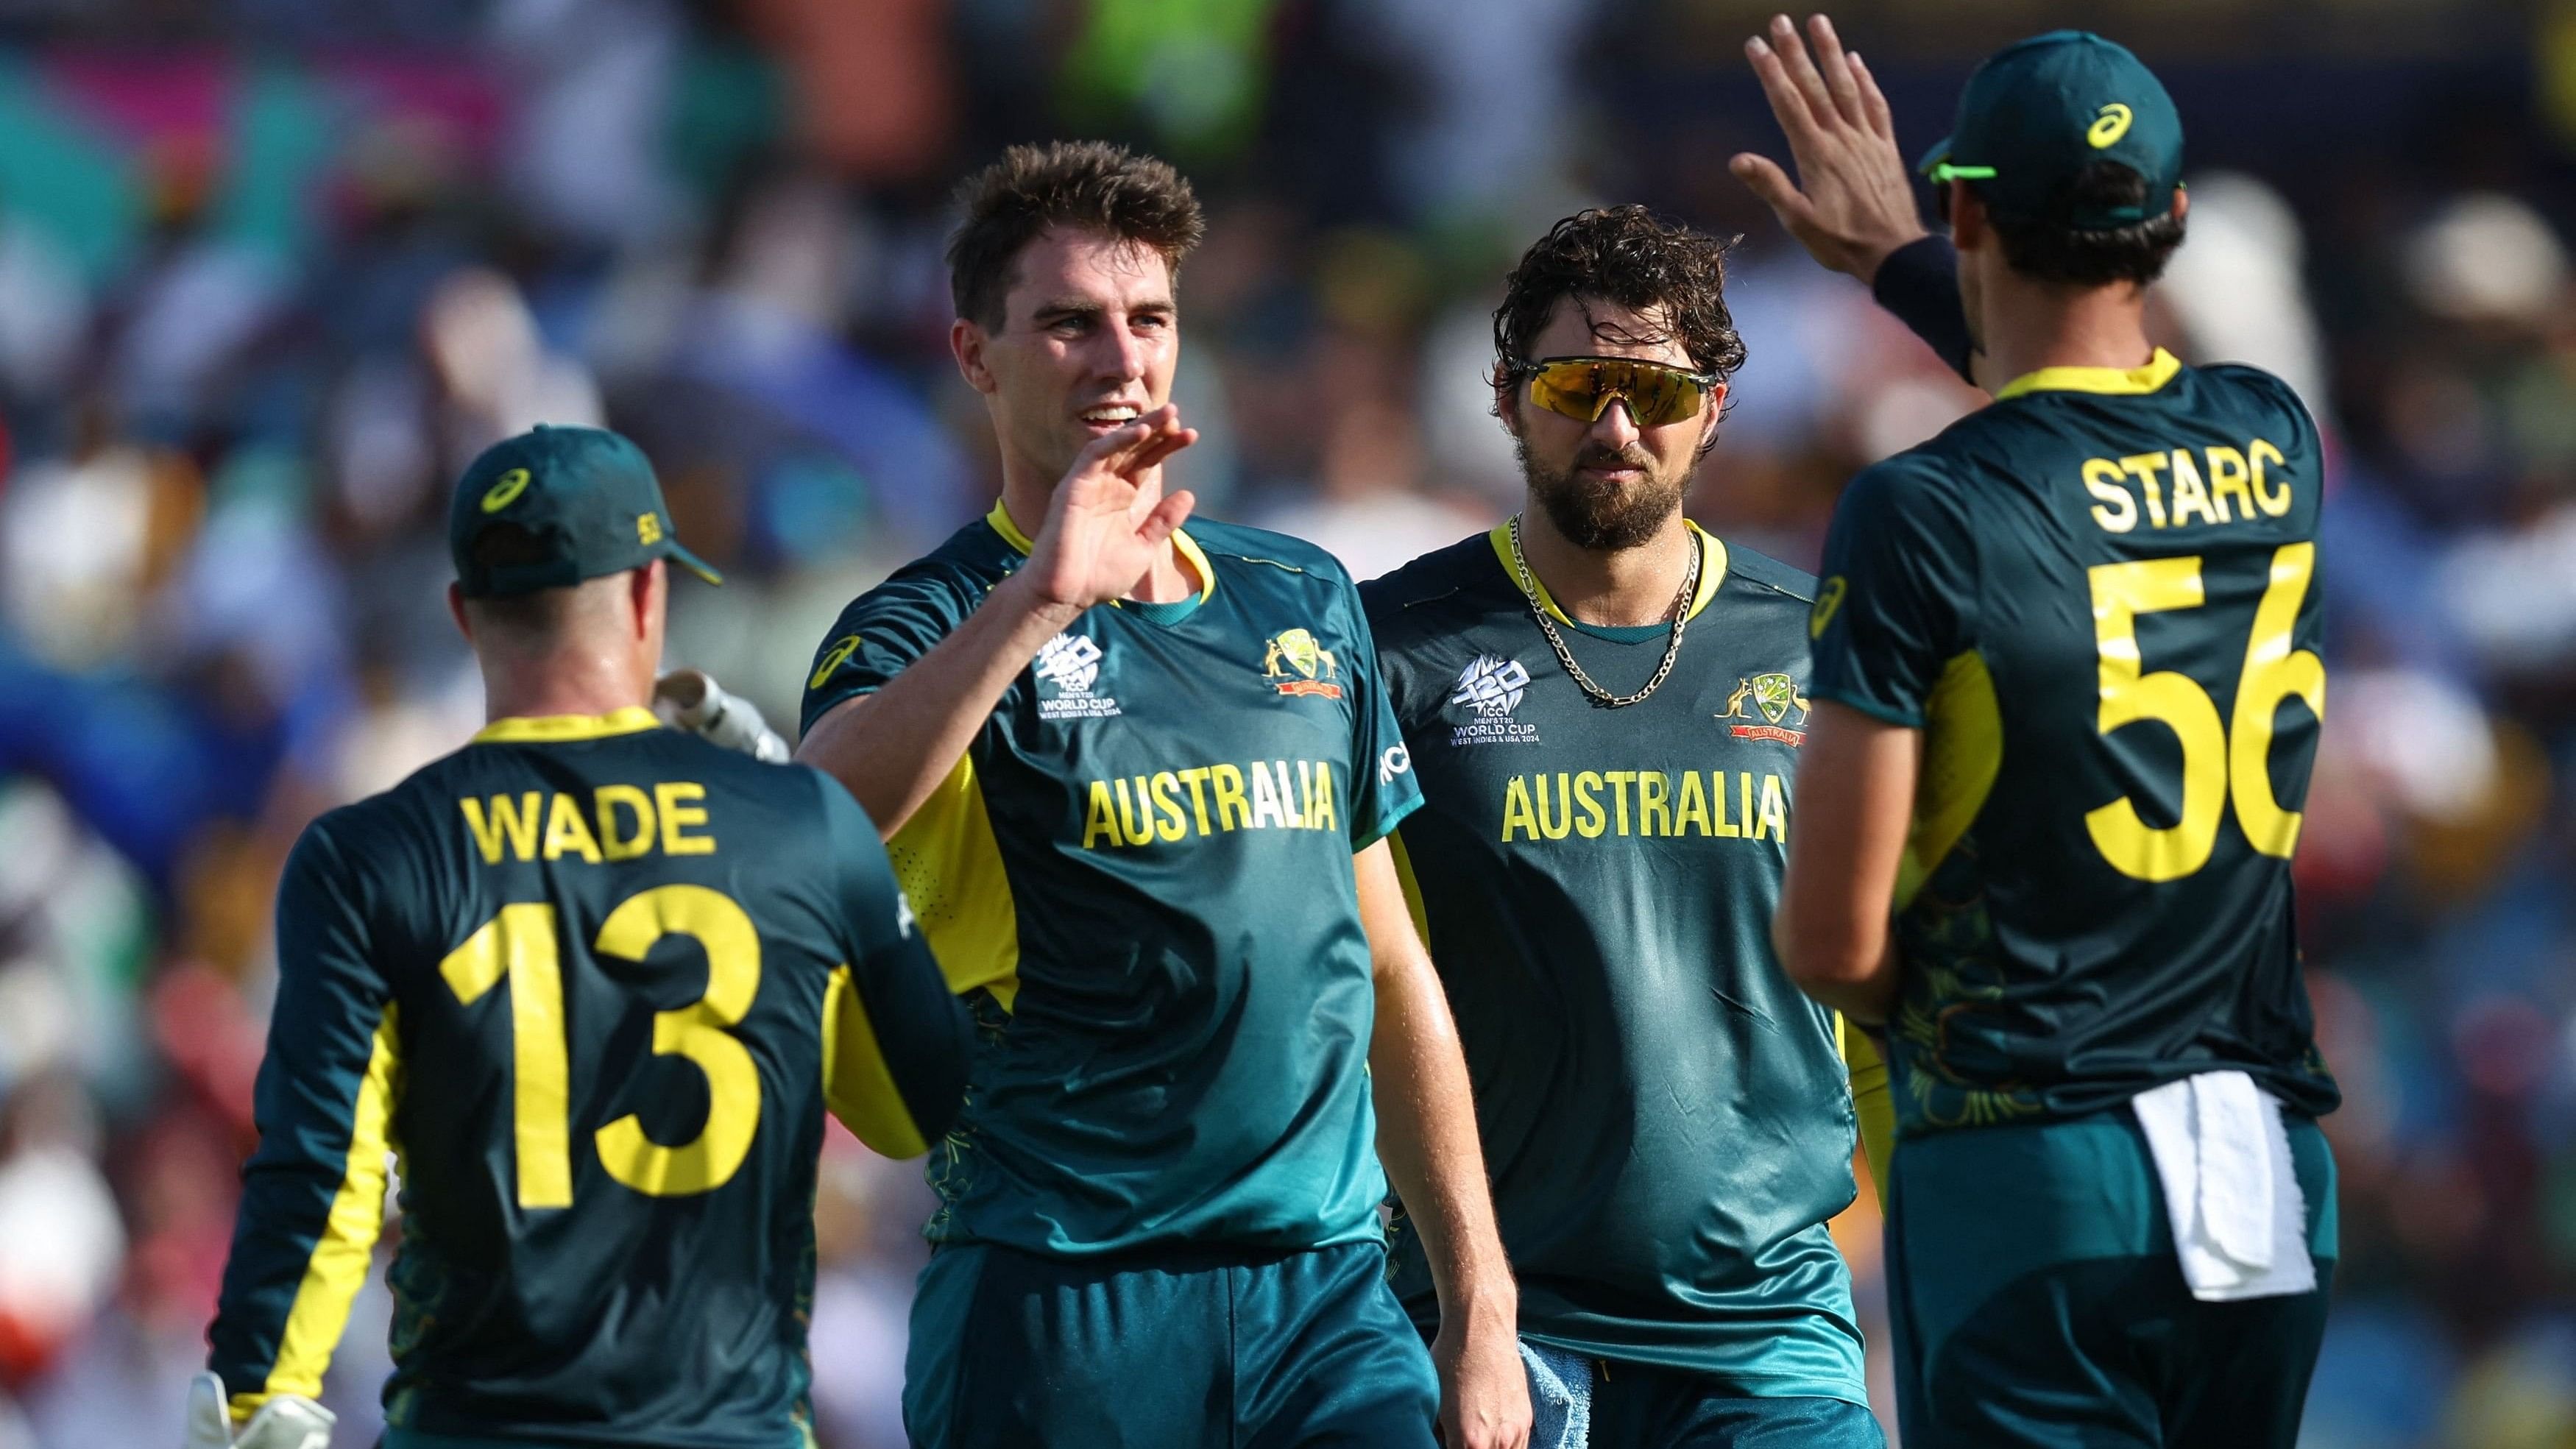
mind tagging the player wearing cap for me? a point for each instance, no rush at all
(1142, 778)
(1605, 707)
(595, 981)
(2067, 697)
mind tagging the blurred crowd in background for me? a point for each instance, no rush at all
(272, 270)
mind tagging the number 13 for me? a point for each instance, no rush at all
(521, 944)
(2213, 758)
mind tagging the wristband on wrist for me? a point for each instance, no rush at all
(1919, 285)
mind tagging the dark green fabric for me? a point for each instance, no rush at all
(2040, 111)
(587, 498)
(1666, 1118)
(2038, 978)
(2037, 1302)
(1164, 1350)
(1638, 1407)
(622, 1318)
(1185, 1059)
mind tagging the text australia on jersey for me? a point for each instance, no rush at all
(1620, 803)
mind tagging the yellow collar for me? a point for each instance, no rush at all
(1712, 568)
(1000, 521)
(2119, 381)
(556, 728)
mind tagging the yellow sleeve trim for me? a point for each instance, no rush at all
(950, 868)
(338, 1265)
(1412, 888)
(1000, 522)
(2116, 381)
(554, 728)
(1963, 753)
(1870, 1101)
(1712, 569)
(857, 1085)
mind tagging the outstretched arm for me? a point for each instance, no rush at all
(1856, 213)
(1426, 1136)
(1106, 524)
(1855, 804)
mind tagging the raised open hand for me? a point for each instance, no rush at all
(1109, 519)
(1858, 203)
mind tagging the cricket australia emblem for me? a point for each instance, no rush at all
(1491, 687)
(1068, 670)
(1295, 662)
(1772, 697)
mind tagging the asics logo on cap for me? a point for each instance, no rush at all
(2109, 126)
(505, 492)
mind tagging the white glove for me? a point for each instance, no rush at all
(690, 699)
(289, 1421)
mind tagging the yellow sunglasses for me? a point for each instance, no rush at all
(1583, 388)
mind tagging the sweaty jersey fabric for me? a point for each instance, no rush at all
(1141, 873)
(2098, 598)
(591, 979)
(1666, 1119)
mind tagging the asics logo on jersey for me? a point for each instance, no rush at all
(2109, 126)
(1067, 667)
(1828, 599)
(833, 658)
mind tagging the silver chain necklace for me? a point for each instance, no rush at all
(1564, 656)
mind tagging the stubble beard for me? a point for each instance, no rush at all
(1600, 516)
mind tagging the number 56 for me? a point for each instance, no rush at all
(2213, 758)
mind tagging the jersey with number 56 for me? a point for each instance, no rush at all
(594, 982)
(2098, 599)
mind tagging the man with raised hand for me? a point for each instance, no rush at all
(2068, 695)
(597, 981)
(1605, 707)
(1139, 779)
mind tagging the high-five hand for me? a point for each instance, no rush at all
(1109, 519)
(1858, 204)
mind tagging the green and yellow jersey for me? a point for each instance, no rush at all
(1140, 875)
(2098, 599)
(1668, 1122)
(591, 981)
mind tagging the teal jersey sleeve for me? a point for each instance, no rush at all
(896, 1040)
(1383, 787)
(1899, 594)
(313, 1193)
(884, 630)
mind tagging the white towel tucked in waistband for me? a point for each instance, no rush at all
(2240, 1223)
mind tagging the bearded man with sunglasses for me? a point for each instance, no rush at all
(1604, 706)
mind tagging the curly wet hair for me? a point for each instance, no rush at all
(1630, 257)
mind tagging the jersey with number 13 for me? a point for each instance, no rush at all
(2098, 599)
(593, 981)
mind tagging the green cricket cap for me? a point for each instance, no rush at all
(587, 500)
(2040, 110)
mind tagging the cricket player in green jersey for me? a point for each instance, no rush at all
(1605, 706)
(1140, 779)
(2067, 695)
(595, 982)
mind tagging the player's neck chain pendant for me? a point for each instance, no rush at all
(1565, 656)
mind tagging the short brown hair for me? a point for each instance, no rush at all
(2051, 248)
(1630, 257)
(1088, 184)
